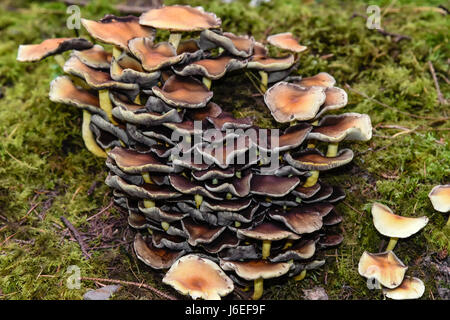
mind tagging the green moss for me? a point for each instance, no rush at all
(43, 160)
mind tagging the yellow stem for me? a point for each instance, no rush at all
(391, 244)
(332, 150)
(165, 225)
(300, 276)
(106, 105)
(237, 224)
(137, 100)
(287, 245)
(207, 82)
(88, 137)
(198, 200)
(174, 39)
(258, 288)
(264, 80)
(116, 52)
(312, 179)
(266, 249)
(147, 178)
(149, 204)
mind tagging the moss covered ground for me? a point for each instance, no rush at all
(46, 173)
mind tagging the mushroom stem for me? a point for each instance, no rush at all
(88, 137)
(312, 179)
(137, 100)
(60, 60)
(149, 204)
(264, 80)
(266, 248)
(332, 150)
(311, 145)
(174, 39)
(106, 105)
(258, 289)
(116, 52)
(237, 224)
(287, 245)
(198, 200)
(147, 178)
(165, 225)
(391, 244)
(207, 82)
(300, 276)
(215, 181)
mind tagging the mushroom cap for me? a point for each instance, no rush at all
(385, 267)
(321, 79)
(226, 120)
(335, 98)
(152, 256)
(256, 269)
(133, 162)
(227, 239)
(346, 126)
(117, 30)
(213, 173)
(410, 288)
(211, 68)
(241, 46)
(273, 186)
(63, 90)
(225, 205)
(268, 64)
(303, 249)
(184, 92)
(267, 231)
(127, 69)
(211, 110)
(313, 159)
(49, 47)
(154, 57)
(239, 187)
(95, 57)
(198, 277)
(307, 192)
(301, 219)
(286, 41)
(392, 225)
(440, 197)
(200, 232)
(180, 18)
(185, 186)
(288, 101)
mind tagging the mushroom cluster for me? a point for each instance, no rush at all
(213, 197)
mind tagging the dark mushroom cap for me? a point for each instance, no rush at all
(256, 269)
(307, 192)
(299, 219)
(273, 186)
(154, 57)
(227, 239)
(324, 193)
(301, 250)
(226, 120)
(96, 57)
(211, 68)
(241, 46)
(286, 41)
(129, 70)
(332, 218)
(331, 240)
(184, 92)
(239, 187)
(225, 205)
(290, 139)
(49, 47)
(180, 18)
(321, 79)
(288, 101)
(211, 110)
(63, 90)
(163, 240)
(158, 214)
(267, 231)
(313, 159)
(200, 232)
(152, 256)
(134, 162)
(213, 173)
(117, 30)
(95, 78)
(186, 186)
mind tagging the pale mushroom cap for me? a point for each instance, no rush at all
(411, 288)
(286, 41)
(268, 231)
(392, 225)
(180, 18)
(199, 278)
(288, 102)
(440, 197)
(321, 79)
(385, 267)
(256, 269)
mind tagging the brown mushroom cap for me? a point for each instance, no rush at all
(180, 18)
(154, 57)
(259, 62)
(117, 30)
(301, 219)
(313, 159)
(321, 79)
(286, 41)
(410, 288)
(239, 187)
(199, 278)
(256, 269)
(440, 197)
(288, 102)
(307, 192)
(200, 232)
(152, 256)
(267, 231)
(133, 162)
(241, 46)
(225, 205)
(227, 239)
(346, 126)
(336, 98)
(63, 90)
(273, 186)
(303, 249)
(385, 267)
(392, 225)
(211, 68)
(96, 57)
(186, 186)
(49, 47)
(185, 92)
(127, 69)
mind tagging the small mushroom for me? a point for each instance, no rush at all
(198, 277)
(96, 57)
(384, 267)
(301, 219)
(410, 288)
(152, 256)
(273, 186)
(395, 226)
(440, 198)
(286, 41)
(200, 232)
(321, 79)
(301, 250)
(256, 270)
(241, 46)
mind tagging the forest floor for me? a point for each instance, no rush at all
(46, 172)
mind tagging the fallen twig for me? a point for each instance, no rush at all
(441, 98)
(101, 211)
(77, 236)
(396, 36)
(139, 285)
(92, 188)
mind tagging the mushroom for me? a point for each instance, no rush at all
(179, 19)
(200, 232)
(440, 199)
(152, 256)
(198, 277)
(273, 186)
(301, 219)
(395, 226)
(256, 270)
(241, 46)
(384, 267)
(321, 79)
(410, 288)
(286, 41)
(95, 57)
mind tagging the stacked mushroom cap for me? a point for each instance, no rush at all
(194, 179)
